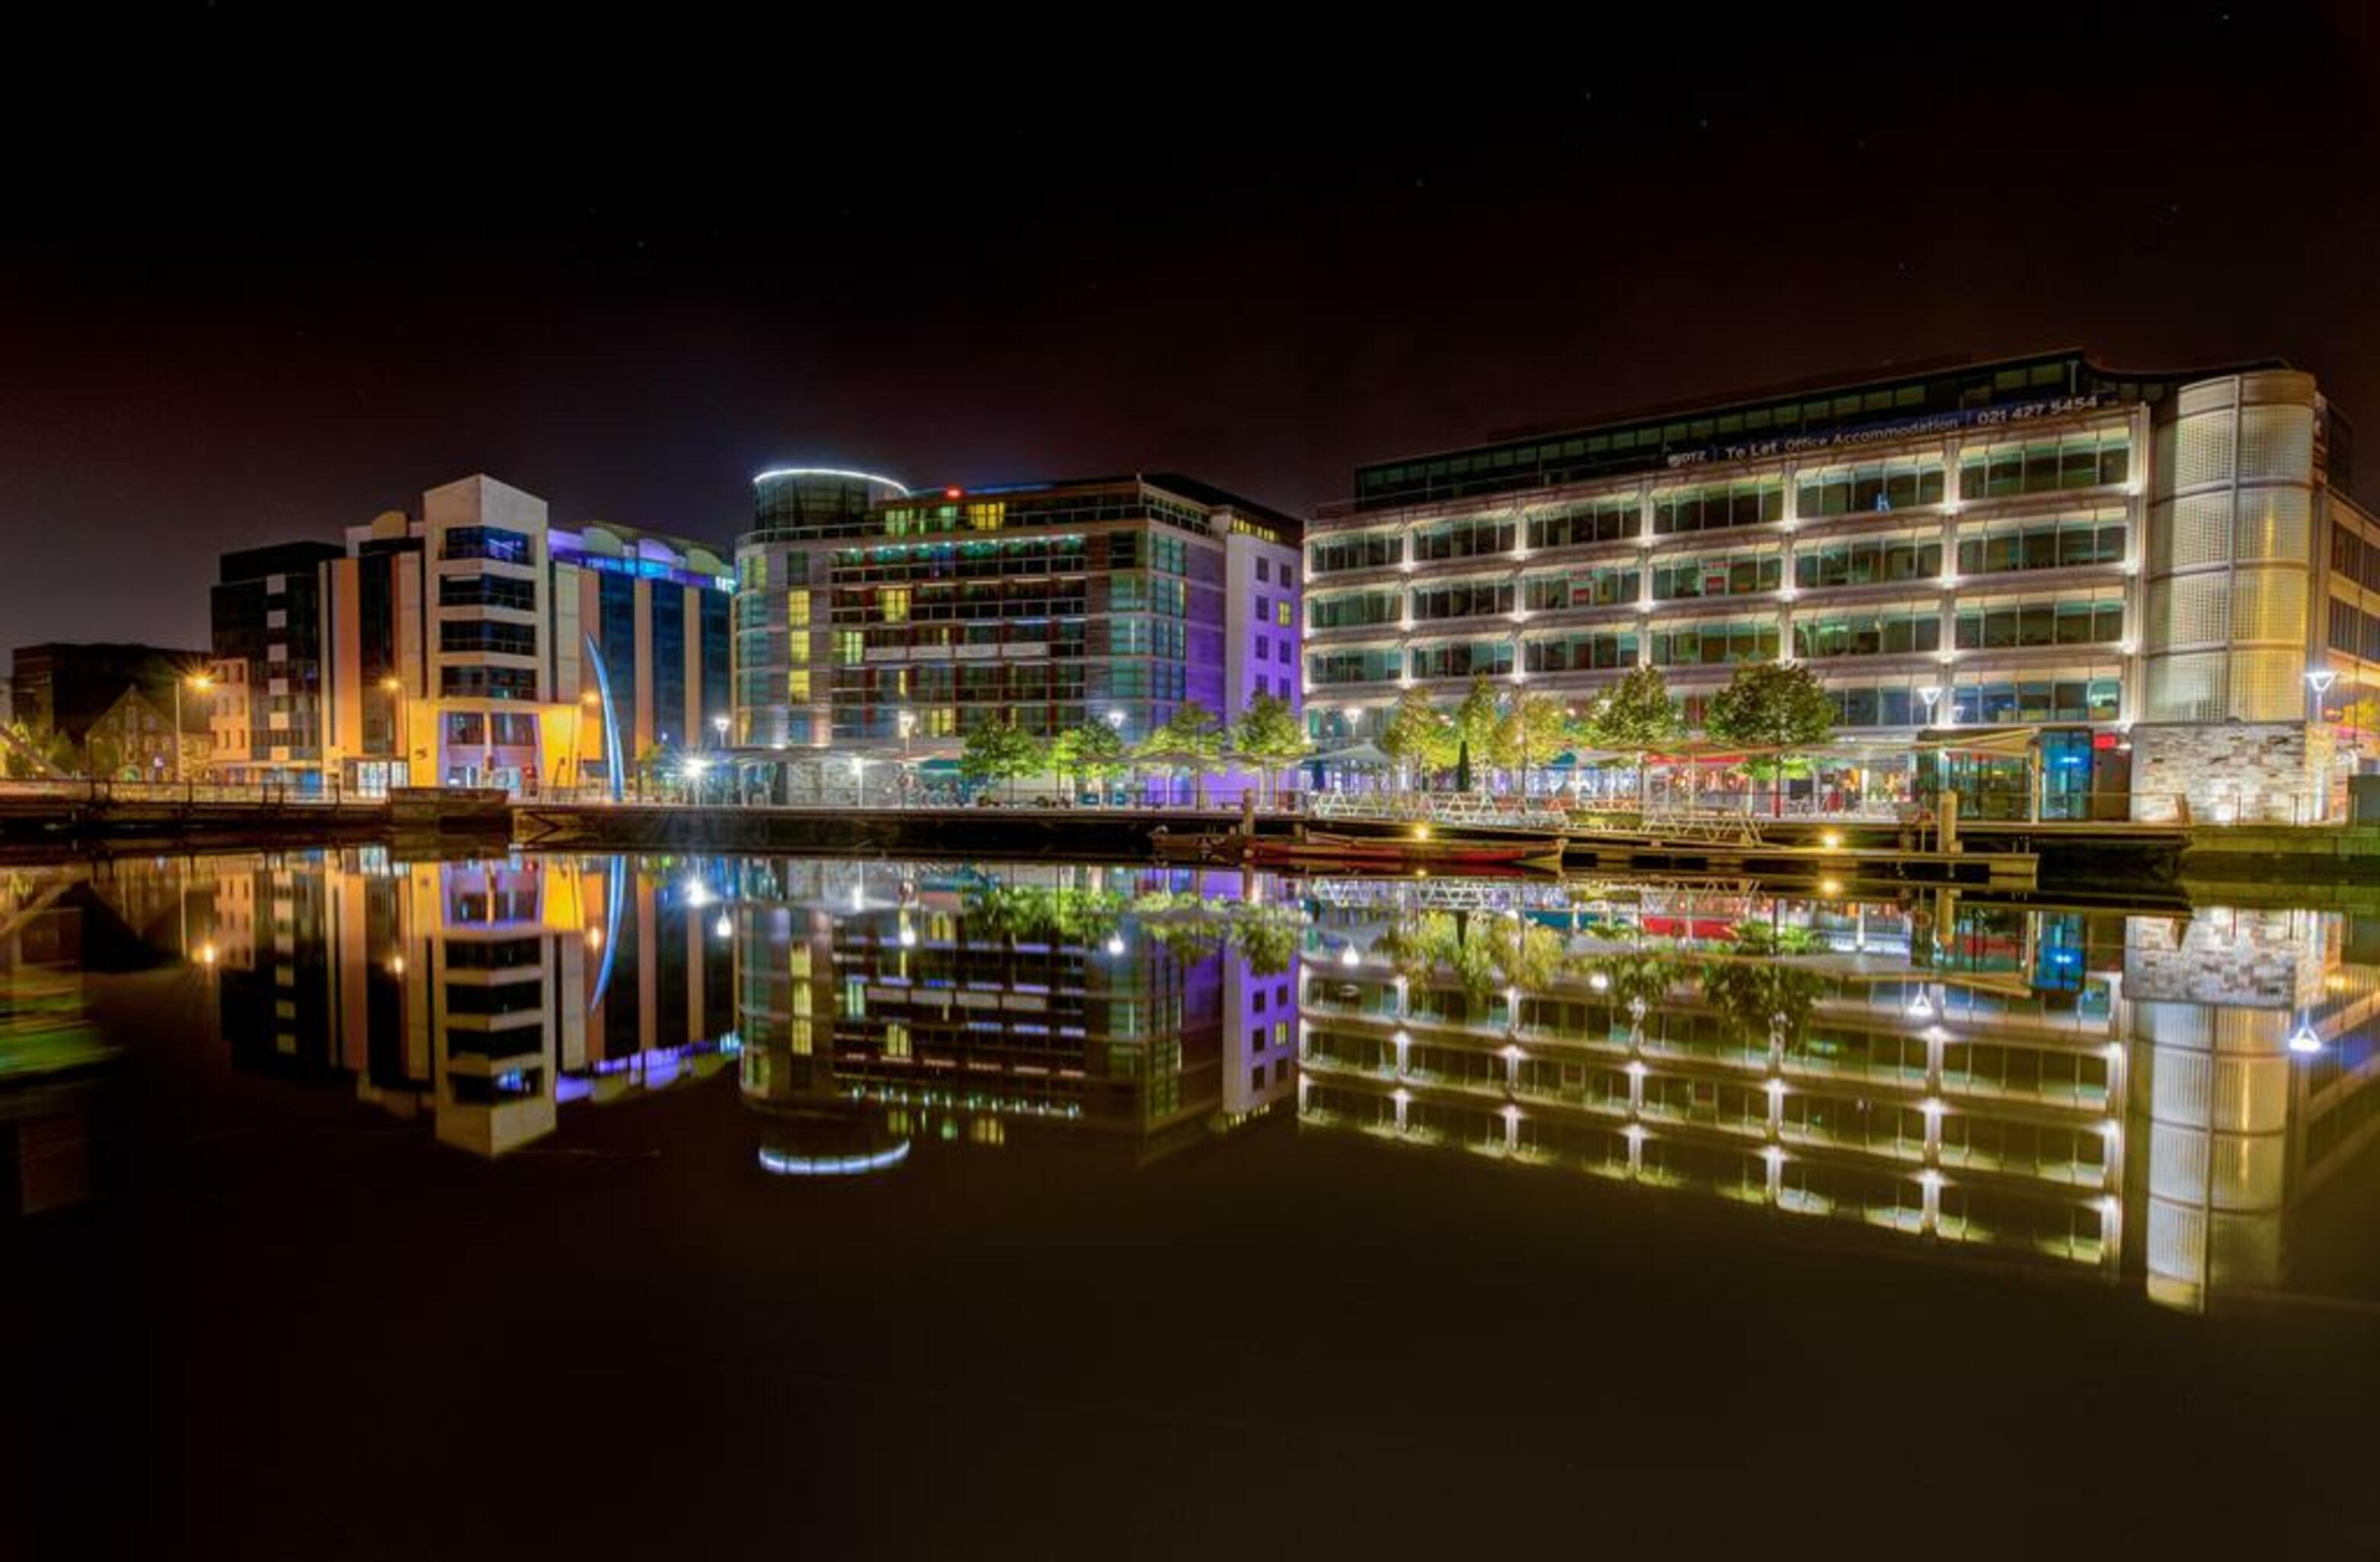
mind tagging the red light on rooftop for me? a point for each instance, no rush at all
(952, 492)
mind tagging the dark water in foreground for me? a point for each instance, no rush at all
(610, 1206)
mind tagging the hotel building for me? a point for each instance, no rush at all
(870, 614)
(2144, 568)
(476, 645)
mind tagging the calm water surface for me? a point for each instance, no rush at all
(622, 1205)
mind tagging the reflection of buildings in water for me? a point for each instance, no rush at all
(1977, 1094)
(484, 993)
(47, 1042)
(883, 1005)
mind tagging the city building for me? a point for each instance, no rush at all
(265, 619)
(135, 741)
(476, 645)
(61, 688)
(2162, 575)
(869, 616)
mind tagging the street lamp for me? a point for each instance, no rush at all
(395, 688)
(908, 721)
(201, 682)
(720, 725)
(2318, 681)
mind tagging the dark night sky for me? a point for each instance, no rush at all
(271, 281)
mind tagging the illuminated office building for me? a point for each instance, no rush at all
(868, 615)
(477, 644)
(2143, 568)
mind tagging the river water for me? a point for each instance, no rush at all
(608, 1205)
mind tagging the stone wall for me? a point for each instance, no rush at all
(2229, 773)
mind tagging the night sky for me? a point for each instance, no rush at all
(271, 281)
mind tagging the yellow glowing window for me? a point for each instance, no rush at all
(987, 517)
(894, 602)
(850, 646)
(797, 963)
(896, 1039)
(1280, 613)
(797, 609)
(797, 648)
(797, 1038)
(797, 687)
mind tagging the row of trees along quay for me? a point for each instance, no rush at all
(1269, 737)
(1774, 706)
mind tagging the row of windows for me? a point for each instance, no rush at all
(1605, 520)
(1607, 586)
(1464, 538)
(1370, 550)
(1726, 575)
(487, 590)
(2353, 558)
(1463, 599)
(2064, 544)
(1877, 485)
(1889, 633)
(1464, 659)
(1865, 561)
(1581, 652)
(1691, 644)
(485, 541)
(2353, 631)
(487, 683)
(1356, 609)
(1718, 506)
(2084, 621)
(2075, 460)
(482, 637)
(502, 727)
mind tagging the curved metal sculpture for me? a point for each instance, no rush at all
(611, 761)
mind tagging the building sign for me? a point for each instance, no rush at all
(1872, 434)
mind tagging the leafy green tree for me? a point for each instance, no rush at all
(1269, 733)
(1092, 754)
(1533, 729)
(1196, 735)
(1478, 719)
(1777, 705)
(1635, 716)
(1419, 735)
(1001, 750)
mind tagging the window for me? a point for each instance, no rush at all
(2025, 624)
(1718, 506)
(2057, 543)
(1264, 570)
(1376, 550)
(479, 637)
(1862, 561)
(487, 590)
(1284, 615)
(1691, 644)
(1876, 485)
(485, 541)
(2081, 460)
(1604, 521)
(1897, 631)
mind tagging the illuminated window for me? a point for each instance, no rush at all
(797, 687)
(896, 1039)
(893, 604)
(850, 646)
(1280, 613)
(797, 609)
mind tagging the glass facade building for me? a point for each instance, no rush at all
(2036, 541)
(869, 615)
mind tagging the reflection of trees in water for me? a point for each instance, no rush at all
(1760, 996)
(1186, 925)
(1483, 954)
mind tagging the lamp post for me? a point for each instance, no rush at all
(1115, 724)
(908, 721)
(2318, 681)
(587, 702)
(395, 687)
(201, 682)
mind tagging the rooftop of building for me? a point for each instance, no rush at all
(1657, 436)
(1177, 484)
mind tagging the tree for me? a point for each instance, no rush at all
(1001, 750)
(1778, 705)
(1093, 752)
(1419, 735)
(1477, 719)
(1194, 737)
(1533, 726)
(1636, 717)
(1269, 733)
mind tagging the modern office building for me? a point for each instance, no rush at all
(2145, 567)
(477, 644)
(869, 615)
